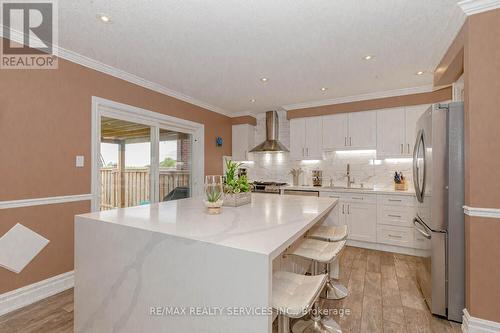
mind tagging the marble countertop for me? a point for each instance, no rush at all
(374, 190)
(268, 225)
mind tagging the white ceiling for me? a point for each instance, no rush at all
(216, 51)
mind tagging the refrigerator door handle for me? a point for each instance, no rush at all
(417, 222)
(416, 179)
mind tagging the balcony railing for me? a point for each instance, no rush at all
(136, 185)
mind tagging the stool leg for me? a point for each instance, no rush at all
(334, 289)
(283, 324)
(316, 324)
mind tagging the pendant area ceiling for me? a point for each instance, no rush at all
(216, 52)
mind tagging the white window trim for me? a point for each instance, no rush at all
(108, 108)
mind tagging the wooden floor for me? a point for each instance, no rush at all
(383, 297)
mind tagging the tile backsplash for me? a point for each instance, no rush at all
(364, 166)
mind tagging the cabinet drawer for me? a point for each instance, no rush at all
(421, 242)
(360, 198)
(395, 215)
(327, 194)
(396, 200)
(393, 235)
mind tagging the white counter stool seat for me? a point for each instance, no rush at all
(293, 296)
(327, 233)
(324, 253)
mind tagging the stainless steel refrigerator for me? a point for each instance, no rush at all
(438, 177)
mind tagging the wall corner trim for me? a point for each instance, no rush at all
(482, 212)
(44, 201)
(471, 7)
(477, 325)
(32, 293)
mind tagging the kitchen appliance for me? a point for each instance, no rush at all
(317, 177)
(272, 143)
(267, 187)
(306, 193)
(438, 176)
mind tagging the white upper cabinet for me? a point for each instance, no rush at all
(390, 132)
(314, 145)
(362, 130)
(305, 138)
(335, 131)
(412, 114)
(243, 141)
(356, 130)
(396, 130)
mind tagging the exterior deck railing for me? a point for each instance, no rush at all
(136, 185)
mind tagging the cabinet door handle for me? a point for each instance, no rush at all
(391, 215)
(343, 209)
(349, 209)
(395, 200)
(408, 145)
(307, 151)
(401, 149)
(303, 154)
(395, 236)
(357, 198)
(345, 140)
(350, 141)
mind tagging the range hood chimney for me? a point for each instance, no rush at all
(271, 144)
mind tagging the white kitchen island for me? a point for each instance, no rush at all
(170, 267)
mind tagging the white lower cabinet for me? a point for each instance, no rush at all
(362, 221)
(385, 219)
(336, 216)
(393, 235)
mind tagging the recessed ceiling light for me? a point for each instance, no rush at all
(368, 57)
(104, 18)
(252, 100)
(324, 89)
(264, 79)
(419, 73)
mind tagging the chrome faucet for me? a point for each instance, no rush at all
(348, 174)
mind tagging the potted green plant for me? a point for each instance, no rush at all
(236, 188)
(213, 194)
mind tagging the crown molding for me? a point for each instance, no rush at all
(82, 60)
(482, 212)
(471, 7)
(363, 97)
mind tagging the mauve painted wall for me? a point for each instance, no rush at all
(45, 121)
(482, 105)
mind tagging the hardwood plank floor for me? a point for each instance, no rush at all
(383, 297)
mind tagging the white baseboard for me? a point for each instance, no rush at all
(386, 248)
(32, 293)
(477, 325)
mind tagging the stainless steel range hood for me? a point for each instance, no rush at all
(271, 144)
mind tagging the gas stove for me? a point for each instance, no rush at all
(267, 187)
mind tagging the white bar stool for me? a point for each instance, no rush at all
(335, 290)
(293, 296)
(320, 252)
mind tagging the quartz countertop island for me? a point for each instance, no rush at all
(134, 267)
